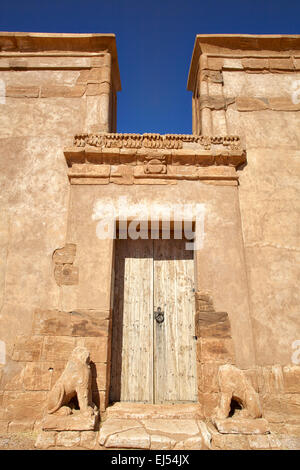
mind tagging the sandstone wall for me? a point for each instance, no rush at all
(49, 92)
(249, 86)
(265, 115)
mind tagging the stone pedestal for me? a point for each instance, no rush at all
(242, 426)
(74, 422)
(75, 430)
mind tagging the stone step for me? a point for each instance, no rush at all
(135, 410)
(116, 433)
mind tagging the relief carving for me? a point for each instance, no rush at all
(64, 271)
(154, 141)
(155, 164)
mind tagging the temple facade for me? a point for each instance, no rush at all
(162, 268)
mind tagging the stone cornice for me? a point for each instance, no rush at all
(59, 45)
(241, 45)
(118, 157)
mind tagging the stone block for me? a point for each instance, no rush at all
(89, 170)
(290, 442)
(128, 157)
(242, 426)
(99, 376)
(259, 442)
(12, 378)
(121, 174)
(212, 324)
(96, 89)
(215, 63)
(209, 403)
(255, 63)
(159, 442)
(292, 429)
(98, 347)
(116, 425)
(154, 181)
(45, 440)
(250, 104)
(57, 348)
(291, 379)
(18, 63)
(131, 439)
(88, 181)
(230, 442)
(74, 422)
(212, 76)
(274, 442)
(209, 378)
(56, 91)
(88, 439)
(22, 92)
(24, 405)
(68, 439)
(66, 275)
(37, 376)
(290, 404)
(272, 408)
(93, 75)
(111, 156)
(21, 426)
(75, 323)
(212, 102)
(283, 104)
(3, 425)
(216, 350)
(284, 63)
(192, 443)
(232, 64)
(27, 348)
(183, 157)
(141, 411)
(180, 429)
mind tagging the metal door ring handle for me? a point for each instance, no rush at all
(159, 315)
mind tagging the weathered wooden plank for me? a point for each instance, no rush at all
(132, 340)
(174, 344)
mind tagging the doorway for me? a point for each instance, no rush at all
(153, 342)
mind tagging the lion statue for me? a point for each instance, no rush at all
(74, 381)
(234, 385)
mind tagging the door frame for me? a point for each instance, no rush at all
(160, 224)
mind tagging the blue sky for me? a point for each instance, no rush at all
(155, 42)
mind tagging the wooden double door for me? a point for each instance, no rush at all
(153, 343)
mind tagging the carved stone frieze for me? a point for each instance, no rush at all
(154, 141)
(106, 157)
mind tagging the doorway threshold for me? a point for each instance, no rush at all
(136, 425)
(138, 410)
